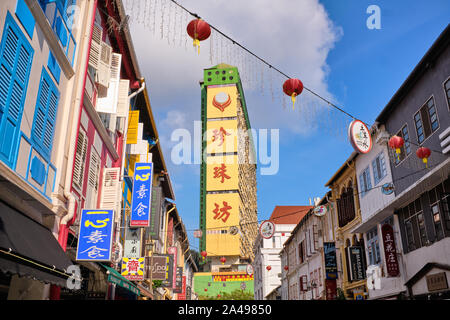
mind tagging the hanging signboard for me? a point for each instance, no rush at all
(329, 252)
(178, 281)
(390, 251)
(182, 295)
(95, 235)
(158, 267)
(387, 188)
(169, 282)
(359, 136)
(331, 289)
(249, 269)
(133, 268)
(267, 229)
(155, 212)
(132, 243)
(173, 251)
(320, 211)
(357, 268)
(141, 196)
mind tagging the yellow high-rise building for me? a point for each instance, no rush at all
(228, 208)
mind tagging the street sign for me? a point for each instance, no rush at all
(133, 268)
(141, 196)
(95, 235)
(267, 229)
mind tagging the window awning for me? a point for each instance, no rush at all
(29, 249)
(118, 279)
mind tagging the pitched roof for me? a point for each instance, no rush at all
(289, 214)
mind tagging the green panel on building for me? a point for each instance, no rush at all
(220, 283)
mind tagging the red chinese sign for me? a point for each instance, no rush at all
(220, 134)
(220, 173)
(222, 213)
(330, 289)
(390, 251)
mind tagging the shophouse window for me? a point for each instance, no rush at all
(439, 210)
(406, 149)
(416, 235)
(426, 120)
(379, 168)
(301, 252)
(346, 206)
(365, 182)
(447, 91)
(373, 247)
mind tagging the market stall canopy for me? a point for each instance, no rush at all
(29, 249)
(115, 277)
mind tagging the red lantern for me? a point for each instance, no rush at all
(286, 268)
(293, 87)
(223, 260)
(396, 143)
(424, 153)
(218, 296)
(206, 289)
(282, 234)
(198, 30)
(269, 268)
(204, 254)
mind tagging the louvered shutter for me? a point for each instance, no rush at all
(133, 124)
(96, 47)
(108, 104)
(80, 158)
(104, 70)
(123, 102)
(93, 177)
(16, 57)
(110, 195)
(45, 114)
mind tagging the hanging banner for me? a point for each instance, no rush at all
(173, 251)
(359, 136)
(357, 267)
(132, 243)
(182, 295)
(133, 268)
(155, 212)
(178, 280)
(331, 289)
(95, 235)
(141, 196)
(390, 251)
(169, 282)
(329, 252)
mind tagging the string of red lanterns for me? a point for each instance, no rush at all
(198, 30)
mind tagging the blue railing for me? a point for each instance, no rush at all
(57, 15)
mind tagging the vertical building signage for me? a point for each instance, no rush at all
(169, 283)
(141, 198)
(331, 289)
(173, 251)
(329, 252)
(182, 295)
(178, 281)
(390, 251)
(357, 267)
(158, 266)
(155, 212)
(95, 235)
(132, 243)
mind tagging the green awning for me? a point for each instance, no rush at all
(118, 279)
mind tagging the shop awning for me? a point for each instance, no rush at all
(29, 249)
(118, 279)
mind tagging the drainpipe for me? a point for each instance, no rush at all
(70, 217)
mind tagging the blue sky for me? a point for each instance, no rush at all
(324, 43)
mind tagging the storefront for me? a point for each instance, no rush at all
(119, 288)
(30, 257)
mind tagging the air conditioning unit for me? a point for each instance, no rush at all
(103, 74)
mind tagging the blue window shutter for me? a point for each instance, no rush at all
(25, 17)
(45, 115)
(53, 66)
(16, 57)
(369, 182)
(38, 170)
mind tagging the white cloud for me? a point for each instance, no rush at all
(294, 36)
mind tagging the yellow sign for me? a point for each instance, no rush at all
(222, 212)
(222, 173)
(133, 268)
(221, 136)
(222, 101)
